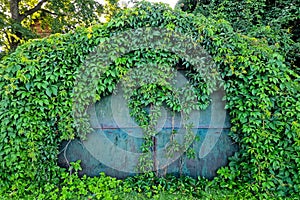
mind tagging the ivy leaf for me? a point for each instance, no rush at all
(48, 92)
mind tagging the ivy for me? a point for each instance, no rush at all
(44, 96)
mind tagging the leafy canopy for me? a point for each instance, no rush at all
(55, 16)
(276, 22)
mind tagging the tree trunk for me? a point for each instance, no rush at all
(16, 17)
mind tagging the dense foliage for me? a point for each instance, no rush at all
(276, 22)
(18, 17)
(36, 98)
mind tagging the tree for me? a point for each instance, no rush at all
(277, 22)
(57, 15)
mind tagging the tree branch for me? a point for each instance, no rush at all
(33, 10)
(51, 13)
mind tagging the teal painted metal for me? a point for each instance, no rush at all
(114, 147)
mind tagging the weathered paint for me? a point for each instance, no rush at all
(114, 147)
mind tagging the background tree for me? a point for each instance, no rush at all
(275, 21)
(17, 17)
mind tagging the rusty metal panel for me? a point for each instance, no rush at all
(114, 147)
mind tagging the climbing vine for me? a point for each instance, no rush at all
(44, 96)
